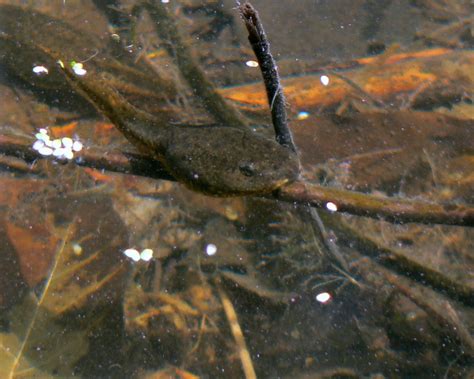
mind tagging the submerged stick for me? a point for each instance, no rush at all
(268, 67)
(237, 333)
(398, 261)
(442, 312)
(93, 157)
(390, 209)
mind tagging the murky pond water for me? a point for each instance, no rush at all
(110, 268)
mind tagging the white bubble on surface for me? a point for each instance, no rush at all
(79, 69)
(251, 63)
(146, 255)
(67, 142)
(45, 150)
(38, 145)
(211, 249)
(330, 206)
(133, 254)
(40, 70)
(77, 146)
(323, 297)
(303, 115)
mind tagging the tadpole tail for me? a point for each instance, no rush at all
(133, 123)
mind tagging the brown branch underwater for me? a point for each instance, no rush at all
(276, 99)
(394, 210)
(396, 260)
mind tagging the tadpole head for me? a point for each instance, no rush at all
(226, 161)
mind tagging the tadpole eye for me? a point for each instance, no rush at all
(248, 169)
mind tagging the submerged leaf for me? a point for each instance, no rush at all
(41, 337)
(39, 344)
(35, 246)
(11, 364)
(38, 340)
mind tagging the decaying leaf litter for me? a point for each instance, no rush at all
(201, 332)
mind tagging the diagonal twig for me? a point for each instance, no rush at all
(231, 315)
(396, 260)
(268, 67)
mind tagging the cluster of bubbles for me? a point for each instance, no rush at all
(146, 255)
(62, 148)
